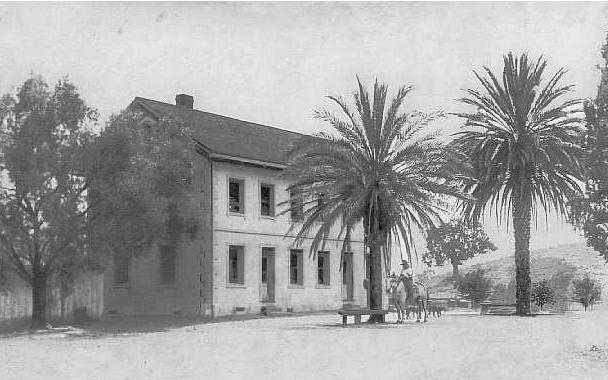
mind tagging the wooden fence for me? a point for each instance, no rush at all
(16, 299)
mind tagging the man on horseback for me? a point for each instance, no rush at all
(406, 293)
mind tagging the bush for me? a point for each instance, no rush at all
(475, 285)
(587, 291)
(542, 293)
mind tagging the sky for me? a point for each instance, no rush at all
(273, 63)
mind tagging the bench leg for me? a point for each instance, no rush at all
(357, 319)
(344, 320)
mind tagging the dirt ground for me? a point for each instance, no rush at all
(455, 346)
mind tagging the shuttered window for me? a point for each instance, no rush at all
(121, 269)
(266, 200)
(296, 207)
(236, 265)
(296, 267)
(236, 196)
(167, 265)
(323, 268)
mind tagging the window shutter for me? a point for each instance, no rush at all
(241, 266)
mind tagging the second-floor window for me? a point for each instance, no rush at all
(236, 195)
(321, 199)
(267, 200)
(296, 206)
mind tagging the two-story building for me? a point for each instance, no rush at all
(241, 260)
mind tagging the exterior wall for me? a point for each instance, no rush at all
(254, 231)
(201, 285)
(144, 294)
(191, 293)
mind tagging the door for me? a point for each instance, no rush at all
(267, 277)
(367, 278)
(347, 277)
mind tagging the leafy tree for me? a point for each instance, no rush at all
(455, 242)
(475, 285)
(143, 186)
(590, 212)
(69, 197)
(522, 143)
(43, 204)
(380, 170)
(587, 291)
(542, 293)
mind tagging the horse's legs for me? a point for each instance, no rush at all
(398, 307)
(424, 307)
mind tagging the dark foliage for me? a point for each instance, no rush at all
(475, 285)
(455, 242)
(590, 212)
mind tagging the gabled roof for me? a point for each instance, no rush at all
(226, 137)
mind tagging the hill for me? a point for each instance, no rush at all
(558, 265)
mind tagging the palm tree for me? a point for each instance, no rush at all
(522, 142)
(379, 170)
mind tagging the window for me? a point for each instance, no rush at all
(321, 199)
(323, 268)
(148, 132)
(267, 200)
(167, 264)
(296, 206)
(236, 201)
(236, 265)
(295, 267)
(121, 269)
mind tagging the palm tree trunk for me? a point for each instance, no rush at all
(521, 229)
(376, 282)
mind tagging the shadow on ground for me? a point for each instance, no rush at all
(137, 324)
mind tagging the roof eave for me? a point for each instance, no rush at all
(248, 161)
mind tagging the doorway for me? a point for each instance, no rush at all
(267, 275)
(347, 277)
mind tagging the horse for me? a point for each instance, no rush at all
(405, 292)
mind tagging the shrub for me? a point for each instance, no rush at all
(475, 285)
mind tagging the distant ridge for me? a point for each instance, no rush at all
(569, 260)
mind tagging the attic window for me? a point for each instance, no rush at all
(147, 131)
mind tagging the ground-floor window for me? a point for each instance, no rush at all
(236, 265)
(323, 271)
(296, 265)
(167, 264)
(121, 269)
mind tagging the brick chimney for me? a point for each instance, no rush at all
(184, 100)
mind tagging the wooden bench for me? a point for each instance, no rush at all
(357, 313)
(497, 308)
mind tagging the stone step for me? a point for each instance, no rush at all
(270, 309)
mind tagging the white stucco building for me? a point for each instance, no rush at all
(241, 260)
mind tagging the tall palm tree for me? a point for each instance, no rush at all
(522, 142)
(379, 170)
